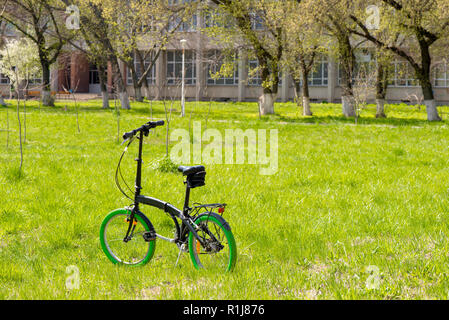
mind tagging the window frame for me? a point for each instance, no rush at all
(227, 81)
(151, 76)
(172, 79)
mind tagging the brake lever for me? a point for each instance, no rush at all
(130, 140)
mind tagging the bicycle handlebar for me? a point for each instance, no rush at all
(145, 128)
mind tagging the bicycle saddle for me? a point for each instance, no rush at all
(187, 171)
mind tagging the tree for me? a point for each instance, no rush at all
(384, 69)
(257, 27)
(3, 26)
(303, 44)
(140, 30)
(20, 62)
(334, 17)
(91, 38)
(38, 21)
(422, 23)
(94, 38)
(364, 80)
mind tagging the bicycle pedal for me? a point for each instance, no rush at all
(149, 236)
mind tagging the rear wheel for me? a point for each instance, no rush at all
(135, 250)
(220, 250)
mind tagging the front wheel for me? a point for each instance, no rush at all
(135, 250)
(220, 250)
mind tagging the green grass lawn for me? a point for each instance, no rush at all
(346, 200)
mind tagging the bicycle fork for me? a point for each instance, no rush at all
(132, 223)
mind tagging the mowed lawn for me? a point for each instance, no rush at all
(354, 212)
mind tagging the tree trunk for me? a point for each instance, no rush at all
(147, 92)
(380, 108)
(137, 87)
(381, 91)
(124, 100)
(348, 104)
(305, 94)
(348, 100)
(138, 94)
(426, 84)
(269, 96)
(47, 99)
(146, 89)
(429, 99)
(266, 103)
(120, 85)
(432, 111)
(104, 85)
(306, 107)
(297, 92)
(347, 59)
(105, 98)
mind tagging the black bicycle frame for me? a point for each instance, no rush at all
(165, 206)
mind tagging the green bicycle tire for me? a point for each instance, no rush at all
(145, 223)
(230, 244)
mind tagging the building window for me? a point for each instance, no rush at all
(441, 75)
(254, 77)
(214, 65)
(4, 79)
(213, 18)
(365, 72)
(151, 76)
(403, 75)
(94, 75)
(254, 74)
(189, 26)
(184, 26)
(364, 68)
(174, 67)
(320, 73)
(256, 21)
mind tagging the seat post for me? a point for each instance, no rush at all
(187, 199)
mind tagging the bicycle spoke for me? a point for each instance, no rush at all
(132, 251)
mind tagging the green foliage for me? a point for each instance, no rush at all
(165, 165)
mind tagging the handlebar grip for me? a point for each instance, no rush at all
(129, 135)
(146, 127)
